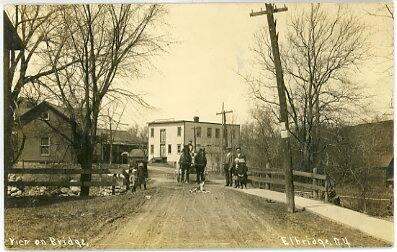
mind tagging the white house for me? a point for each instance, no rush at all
(167, 138)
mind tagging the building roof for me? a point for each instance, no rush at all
(11, 39)
(183, 121)
(382, 148)
(120, 136)
(37, 110)
(137, 153)
(33, 112)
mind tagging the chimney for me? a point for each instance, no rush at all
(196, 119)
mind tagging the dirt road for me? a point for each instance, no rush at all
(175, 218)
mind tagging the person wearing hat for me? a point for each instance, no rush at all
(185, 162)
(133, 179)
(200, 162)
(141, 174)
(240, 169)
(228, 166)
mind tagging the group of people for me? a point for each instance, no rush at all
(235, 168)
(138, 175)
(190, 160)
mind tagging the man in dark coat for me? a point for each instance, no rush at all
(200, 162)
(228, 166)
(141, 174)
(185, 162)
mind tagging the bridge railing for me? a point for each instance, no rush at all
(268, 179)
(61, 176)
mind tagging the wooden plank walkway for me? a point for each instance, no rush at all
(378, 228)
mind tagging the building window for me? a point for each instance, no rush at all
(232, 134)
(162, 135)
(45, 116)
(198, 131)
(178, 147)
(217, 133)
(169, 149)
(209, 132)
(152, 149)
(179, 133)
(45, 146)
(151, 132)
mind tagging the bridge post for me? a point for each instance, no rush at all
(326, 190)
(267, 185)
(113, 186)
(127, 180)
(315, 193)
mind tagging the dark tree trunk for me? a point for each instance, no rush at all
(9, 120)
(85, 190)
(306, 157)
(85, 160)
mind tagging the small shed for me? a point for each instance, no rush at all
(137, 155)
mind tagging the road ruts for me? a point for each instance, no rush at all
(223, 218)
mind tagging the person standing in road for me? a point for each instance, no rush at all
(240, 169)
(185, 162)
(142, 174)
(228, 166)
(200, 162)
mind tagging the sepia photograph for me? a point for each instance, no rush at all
(198, 125)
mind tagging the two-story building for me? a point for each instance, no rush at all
(167, 138)
(43, 132)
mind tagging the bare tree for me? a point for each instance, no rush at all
(107, 41)
(259, 138)
(138, 133)
(318, 53)
(112, 120)
(385, 11)
(356, 154)
(33, 24)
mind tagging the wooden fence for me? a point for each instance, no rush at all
(113, 180)
(316, 183)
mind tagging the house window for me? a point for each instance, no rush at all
(45, 146)
(198, 131)
(178, 147)
(179, 133)
(169, 149)
(209, 132)
(232, 134)
(45, 116)
(217, 133)
(162, 135)
(151, 132)
(152, 149)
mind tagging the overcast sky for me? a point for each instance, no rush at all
(213, 44)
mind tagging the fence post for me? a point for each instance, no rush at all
(315, 194)
(127, 180)
(267, 184)
(326, 188)
(113, 186)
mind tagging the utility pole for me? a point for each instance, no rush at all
(194, 139)
(224, 138)
(285, 140)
